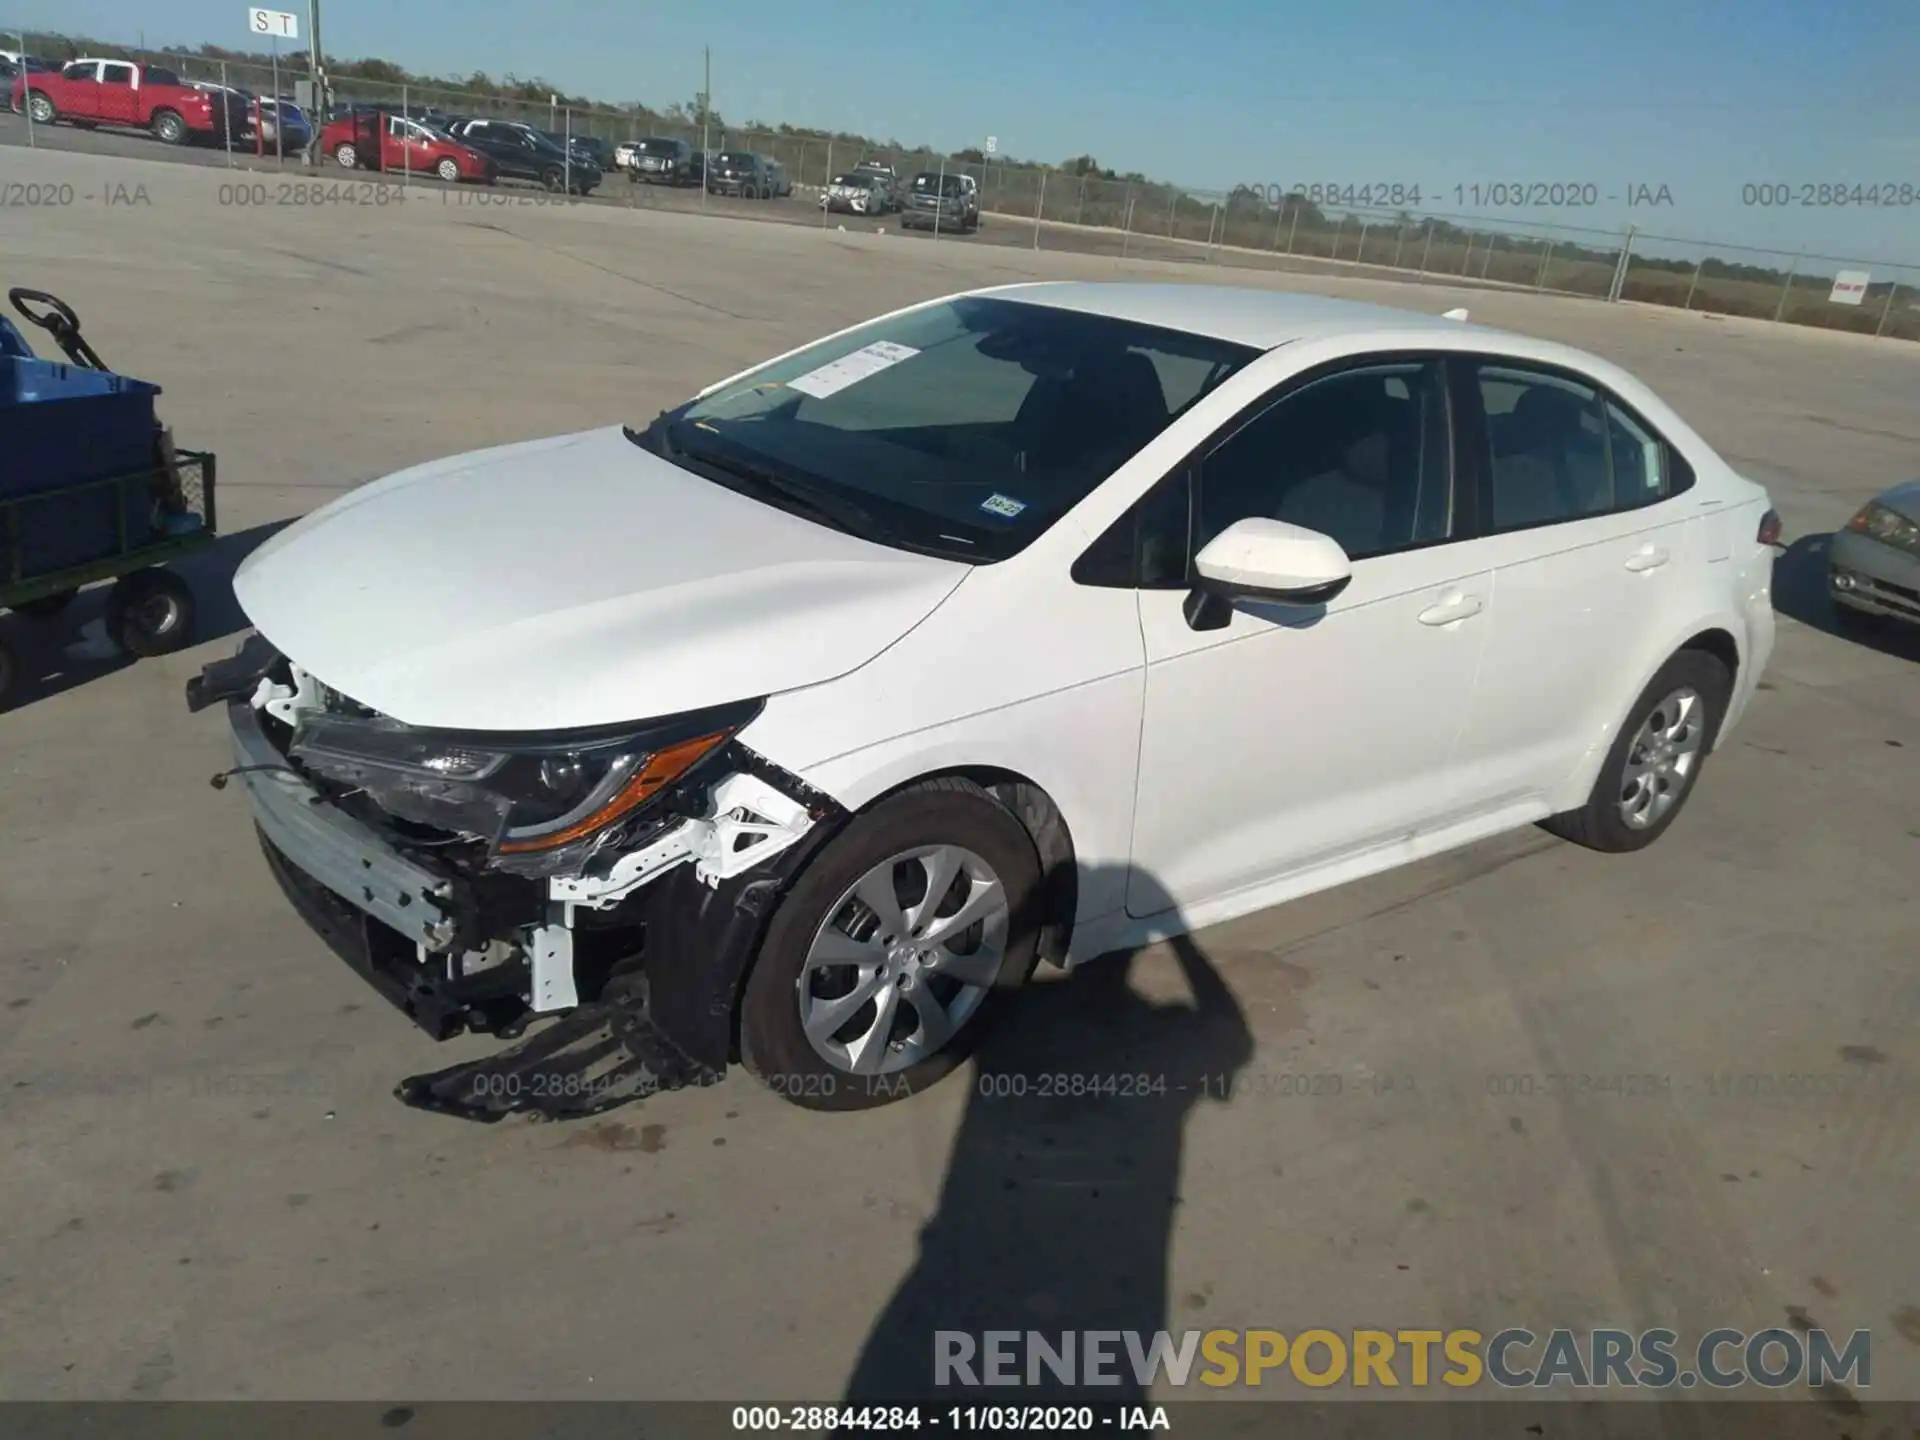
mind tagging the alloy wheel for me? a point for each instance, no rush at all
(1663, 758)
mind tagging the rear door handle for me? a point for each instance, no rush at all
(1448, 611)
(1648, 557)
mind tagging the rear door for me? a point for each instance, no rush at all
(119, 102)
(1589, 544)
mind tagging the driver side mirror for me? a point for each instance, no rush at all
(1265, 560)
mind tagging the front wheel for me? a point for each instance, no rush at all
(882, 967)
(40, 109)
(1656, 758)
(150, 612)
(448, 170)
(346, 157)
(169, 128)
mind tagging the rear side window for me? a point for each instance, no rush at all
(116, 74)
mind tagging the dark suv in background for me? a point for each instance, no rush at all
(741, 172)
(946, 202)
(523, 153)
(660, 161)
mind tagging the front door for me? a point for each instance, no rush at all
(1291, 737)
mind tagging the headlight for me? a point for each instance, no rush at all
(541, 804)
(1877, 522)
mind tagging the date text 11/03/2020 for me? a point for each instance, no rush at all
(1498, 194)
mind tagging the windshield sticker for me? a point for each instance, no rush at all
(1003, 505)
(837, 375)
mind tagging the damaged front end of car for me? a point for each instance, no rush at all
(612, 884)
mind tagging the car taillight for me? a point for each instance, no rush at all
(1771, 529)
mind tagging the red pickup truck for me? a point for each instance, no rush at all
(144, 97)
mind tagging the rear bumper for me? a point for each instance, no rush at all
(1874, 578)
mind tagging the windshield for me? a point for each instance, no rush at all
(855, 182)
(932, 184)
(963, 429)
(658, 147)
(728, 157)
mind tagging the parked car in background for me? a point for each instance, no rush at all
(857, 193)
(1874, 559)
(886, 175)
(777, 176)
(393, 143)
(283, 123)
(740, 172)
(1284, 591)
(524, 153)
(586, 147)
(123, 94)
(941, 202)
(661, 161)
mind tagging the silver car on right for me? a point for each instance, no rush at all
(1874, 560)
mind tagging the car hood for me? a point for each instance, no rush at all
(572, 582)
(1902, 500)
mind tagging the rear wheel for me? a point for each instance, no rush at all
(346, 156)
(150, 612)
(169, 128)
(1656, 758)
(448, 170)
(883, 965)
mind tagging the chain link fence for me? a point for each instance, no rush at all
(1056, 209)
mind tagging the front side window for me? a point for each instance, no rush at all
(80, 70)
(964, 429)
(1363, 456)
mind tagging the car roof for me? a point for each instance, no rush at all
(1239, 315)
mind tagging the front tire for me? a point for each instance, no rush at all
(346, 156)
(40, 109)
(448, 170)
(864, 992)
(169, 128)
(150, 612)
(1655, 761)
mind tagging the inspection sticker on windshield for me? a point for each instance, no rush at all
(837, 375)
(1003, 505)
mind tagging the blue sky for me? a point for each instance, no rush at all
(1697, 95)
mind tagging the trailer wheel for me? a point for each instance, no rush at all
(47, 606)
(150, 612)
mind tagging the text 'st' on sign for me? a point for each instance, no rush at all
(277, 23)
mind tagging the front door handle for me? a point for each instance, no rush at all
(1458, 607)
(1648, 557)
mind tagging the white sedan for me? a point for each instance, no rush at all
(794, 726)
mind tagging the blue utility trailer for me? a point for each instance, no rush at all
(92, 489)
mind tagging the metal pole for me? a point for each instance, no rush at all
(1781, 308)
(1279, 214)
(1126, 226)
(1694, 284)
(1039, 206)
(1080, 205)
(1172, 201)
(1486, 263)
(226, 113)
(26, 88)
(940, 201)
(706, 113)
(1426, 249)
(567, 163)
(1293, 227)
(1626, 260)
(279, 120)
(1467, 259)
(1545, 261)
(406, 136)
(319, 117)
(1399, 239)
(1338, 231)
(1885, 310)
(1360, 255)
(1213, 219)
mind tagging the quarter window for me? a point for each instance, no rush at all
(1363, 456)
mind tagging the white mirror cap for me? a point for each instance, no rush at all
(1454, 315)
(1262, 554)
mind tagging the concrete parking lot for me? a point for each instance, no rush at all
(208, 1192)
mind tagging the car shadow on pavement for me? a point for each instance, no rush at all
(71, 649)
(1800, 592)
(1058, 1207)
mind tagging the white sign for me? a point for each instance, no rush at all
(277, 23)
(1849, 287)
(837, 375)
(993, 143)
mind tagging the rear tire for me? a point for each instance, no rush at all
(150, 612)
(169, 128)
(448, 170)
(1654, 764)
(956, 816)
(346, 156)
